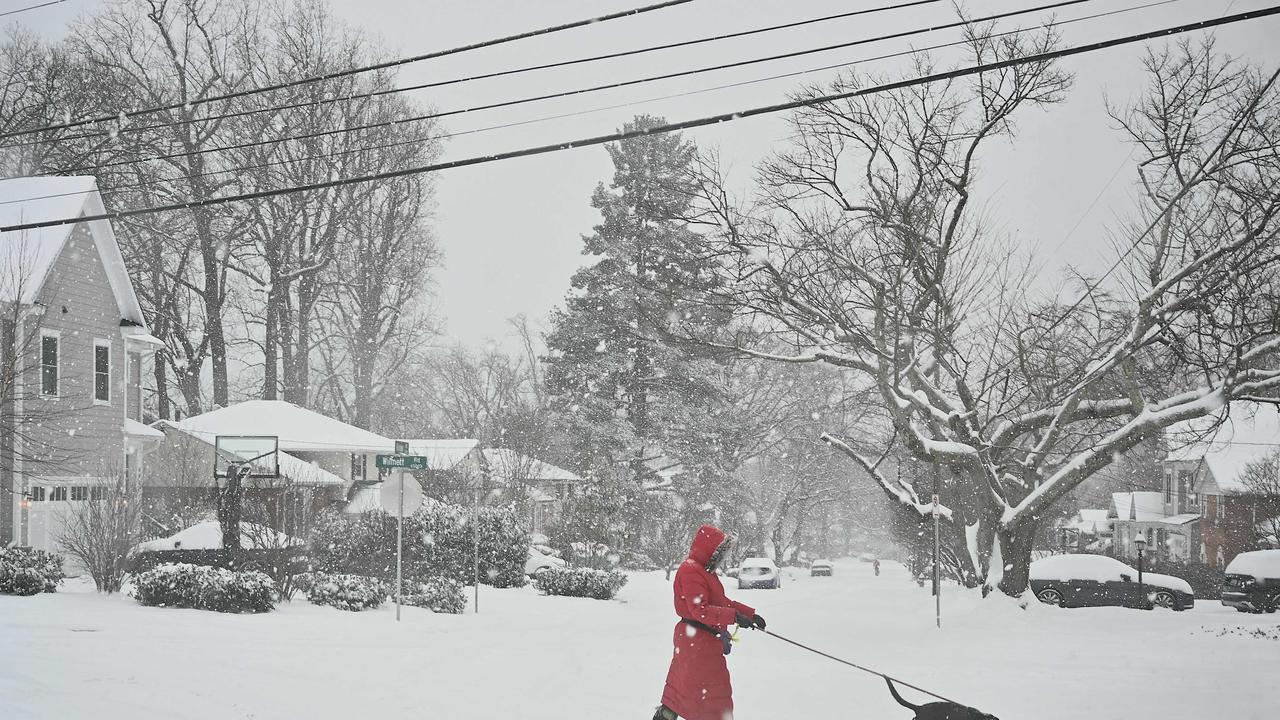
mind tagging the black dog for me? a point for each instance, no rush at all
(940, 710)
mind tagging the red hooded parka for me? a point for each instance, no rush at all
(698, 682)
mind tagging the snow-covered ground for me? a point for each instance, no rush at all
(74, 654)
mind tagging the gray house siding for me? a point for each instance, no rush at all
(80, 436)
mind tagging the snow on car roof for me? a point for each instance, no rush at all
(1079, 567)
(757, 562)
(1258, 563)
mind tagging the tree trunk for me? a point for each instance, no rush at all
(271, 347)
(1014, 558)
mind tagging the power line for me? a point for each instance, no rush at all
(669, 127)
(537, 98)
(426, 138)
(357, 70)
(32, 7)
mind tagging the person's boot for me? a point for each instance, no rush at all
(664, 713)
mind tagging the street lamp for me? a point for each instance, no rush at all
(1141, 542)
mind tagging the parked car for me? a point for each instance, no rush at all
(1252, 583)
(867, 557)
(539, 561)
(759, 572)
(1098, 580)
(820, 567)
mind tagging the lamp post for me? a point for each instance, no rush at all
(1141, 542)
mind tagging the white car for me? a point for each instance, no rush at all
(821, 567)
(539, 561)
(759, 573)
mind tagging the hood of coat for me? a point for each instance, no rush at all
(705, 543)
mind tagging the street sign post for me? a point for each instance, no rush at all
(401, 462)
(401, 495)
(937, 579)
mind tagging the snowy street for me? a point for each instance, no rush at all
(76, 654)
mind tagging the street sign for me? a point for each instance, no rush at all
(391, 498)
(402, 447)
(403, 462)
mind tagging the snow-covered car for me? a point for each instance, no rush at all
(759, 572)
(820, 567)
(1098, 580)
(1252, 583)
(539, 561)
(867, 557)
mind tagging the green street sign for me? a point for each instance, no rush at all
(402, 462)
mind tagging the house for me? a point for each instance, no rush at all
(1169, 534)
(73, 342)
(342, 450)
(1088, 529)
(179, 476)
(544, 486)
(1204, 474)
(454, 468)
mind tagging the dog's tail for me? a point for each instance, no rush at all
(894, 691)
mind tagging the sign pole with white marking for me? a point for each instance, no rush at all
(400, 495)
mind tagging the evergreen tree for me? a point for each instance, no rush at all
(618, 386)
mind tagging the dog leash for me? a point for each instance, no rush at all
(856, 666)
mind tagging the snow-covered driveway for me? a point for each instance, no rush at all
(74, 654)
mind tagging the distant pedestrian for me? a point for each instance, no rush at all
(698, 686)
(876, 564)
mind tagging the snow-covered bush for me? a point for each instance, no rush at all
(442, 595)
(346, 592)
(580, 582)
(205, 588)
(438, 542)
(27, 571)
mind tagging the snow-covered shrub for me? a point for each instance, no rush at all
(346, 592)
(580, 582)
(442, 595)
(27, 571)
(205, 588)
(438, 542)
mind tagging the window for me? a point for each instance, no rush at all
(36, 494)
(79, 492)
(1221, 511)
(97, 492)
(357, 468)
(102, 371)
(59, 493)
(1168, 487)
(1184, 487)
(49, 363)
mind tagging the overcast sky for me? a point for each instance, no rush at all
(511, 232)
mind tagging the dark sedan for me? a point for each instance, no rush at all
(1097, 580)
(1252, 583)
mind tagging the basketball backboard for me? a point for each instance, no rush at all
(261, 452)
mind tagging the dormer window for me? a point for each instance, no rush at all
(102, 371)
(49, 367)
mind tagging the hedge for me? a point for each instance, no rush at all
(205, 588)
(346, 592)
(28, 571)
(441, 595)
(580, 582)
(438, 543)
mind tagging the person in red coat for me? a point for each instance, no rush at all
(698, 685)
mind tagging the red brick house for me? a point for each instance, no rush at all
(1204, 470)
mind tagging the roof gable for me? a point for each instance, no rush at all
(513, 466)
(1248, 432)
(28, 256)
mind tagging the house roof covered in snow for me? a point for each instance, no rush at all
(299, 429)
(1090, 520)
(208, 536)
(442, 454)
(1139, 506)
(27, 256)
(1248, 432)
(293, 469)
(512, 466)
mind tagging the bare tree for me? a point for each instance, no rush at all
(864, 252)
(1261, 480)
(103, 530)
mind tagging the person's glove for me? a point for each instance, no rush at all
(754, 621)
(726, 640)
